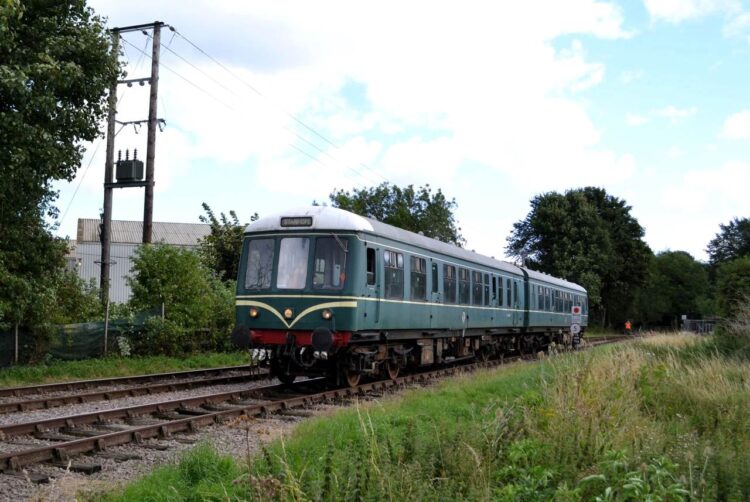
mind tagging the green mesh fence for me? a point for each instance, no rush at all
(71, 342)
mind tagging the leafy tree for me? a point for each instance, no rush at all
(56, 63)
(676, 284)
(732, 241)
(220, 250)
(733, 284)
(76, 300)
(589, 237)
(198, 307)
(417, 210)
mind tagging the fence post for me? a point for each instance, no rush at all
(16, 343)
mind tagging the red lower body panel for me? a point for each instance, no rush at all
(301, 338)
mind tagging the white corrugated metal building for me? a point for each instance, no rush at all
(86, 250)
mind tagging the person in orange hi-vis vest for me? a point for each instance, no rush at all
(628, 328)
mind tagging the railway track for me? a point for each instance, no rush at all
(127, 380)
(94, 433)
(132, 391)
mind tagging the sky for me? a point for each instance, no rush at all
(270, 105)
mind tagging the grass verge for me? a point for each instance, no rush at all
(60, 371)
(664, 418)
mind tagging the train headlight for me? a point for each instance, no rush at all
(288, 313)
(253, 312)
(327, 314)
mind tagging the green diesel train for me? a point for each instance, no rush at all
(322, 291)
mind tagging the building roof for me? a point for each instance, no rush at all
(331, 218)
(131, 232)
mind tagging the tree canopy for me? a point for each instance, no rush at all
(220, 250)
(416, 210)
(56, 64)
(676, 284)
(589, 237)
(733, 284)
(732, 241)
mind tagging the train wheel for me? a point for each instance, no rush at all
(391, 369)
(484, 354)
(351, 377)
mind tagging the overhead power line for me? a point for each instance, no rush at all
(219, 100)
(259, 93)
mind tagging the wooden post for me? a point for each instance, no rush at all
(106, 229)
(16, 344)
(148, 204)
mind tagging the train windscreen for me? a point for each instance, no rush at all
(259, 264)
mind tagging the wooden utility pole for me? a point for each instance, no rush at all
(106, 228)
(128, 182)
(148, 203)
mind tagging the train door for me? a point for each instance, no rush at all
(372, 287)
(435, 298)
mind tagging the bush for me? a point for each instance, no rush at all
(198, 307)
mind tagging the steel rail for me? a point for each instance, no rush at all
(135, 379)
(126, 412)
(108, 395)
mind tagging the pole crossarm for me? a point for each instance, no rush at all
(138, 27)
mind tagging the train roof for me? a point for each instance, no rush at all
(320, 218)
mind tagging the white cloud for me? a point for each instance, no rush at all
(738, 26)
(628, 77)
(635, 120)
(674, 152)
(737, 126)
(676, 11)
(675, 114)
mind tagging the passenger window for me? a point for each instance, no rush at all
(394, 275)
(494, 288)
(486, 289)
(507, 293)
(547, 300)
(370, 266)
(449, 283)
(476, 288)
(540, 298)
(418, 278)
(434, 278)
(515, 292)
(463, 286)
